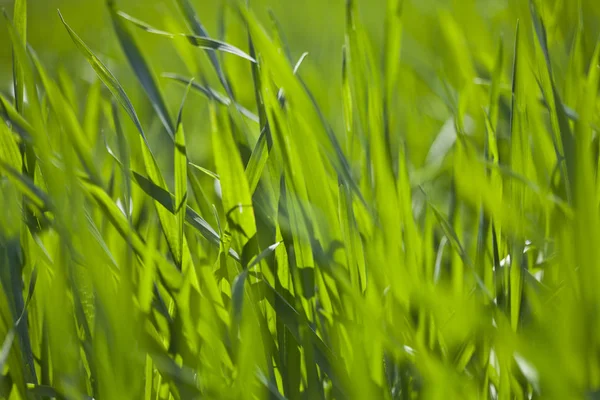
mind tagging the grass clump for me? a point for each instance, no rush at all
(304, 255)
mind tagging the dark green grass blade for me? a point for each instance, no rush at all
(141, 68)
(166, 199)
(194, 22)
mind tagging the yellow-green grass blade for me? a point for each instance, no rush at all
(181, 192)
(68, 119)
(237, 201)
(9, 149)
(564, 141)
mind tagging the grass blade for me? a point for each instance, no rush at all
(181, 165)
(197, 41)
(20, 21)
(141, 68)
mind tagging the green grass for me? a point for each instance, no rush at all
(423, 223)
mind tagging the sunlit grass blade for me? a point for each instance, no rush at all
(197, 41)
(181, 165)
(206, 171)
(237, 201)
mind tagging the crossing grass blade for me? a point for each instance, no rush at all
(11, 116)
(166, 200)
(211, 94)
(196, 26)
(115, 216)
(197, 41)
(166, 218)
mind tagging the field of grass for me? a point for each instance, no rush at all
(350, 200)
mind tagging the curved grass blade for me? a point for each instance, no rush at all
(194, 40)
(67, 118)
(265, 253)
(11, 116)
(304, 102)
(211, 94)
(141, 68)
(166, 218)
(208, 172)
(197, 27)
